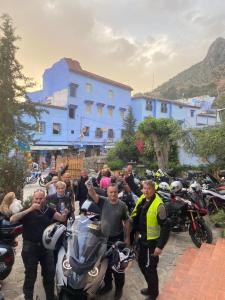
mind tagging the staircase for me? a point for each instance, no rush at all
(199, 275)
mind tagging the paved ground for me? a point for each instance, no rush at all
(12, 286)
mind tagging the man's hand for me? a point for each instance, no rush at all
(35, 206)
(157, 251)
(65, 212)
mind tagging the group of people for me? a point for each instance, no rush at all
(146, 216)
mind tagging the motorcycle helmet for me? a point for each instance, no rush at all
(176, 186)
(195, 187)
(121, 258)
(164, 186)
(52, 235)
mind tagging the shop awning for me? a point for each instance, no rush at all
(43, 147)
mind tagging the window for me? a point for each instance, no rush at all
(122, 113)
(88, 106)
(110, 93)
(85, 130)
(72, 111)
(56, 129)
(110, 133)
(110, 110)
(180, 106)
(164, 107)
(98, 132)
(192, 113)
(88, 87)
(100, 108)
(73, 89)
(148, 105)
(40, 127)
(72, 131)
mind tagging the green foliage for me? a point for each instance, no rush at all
(115, 164)
(162, 134)
(207, 143)
(13, 174)
(125, 150)
(218, 218)
(13, 85)
(27, 203)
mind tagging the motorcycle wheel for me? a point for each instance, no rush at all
(5, 273)
(202, 234)
(41, 182)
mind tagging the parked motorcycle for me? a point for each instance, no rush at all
(186, 214)
(213, 199)
(83, 257)
(8, 234)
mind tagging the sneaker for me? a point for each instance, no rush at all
(105, 289)
(118, 294)
(145, 292)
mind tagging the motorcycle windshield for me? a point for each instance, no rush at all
(87, 244)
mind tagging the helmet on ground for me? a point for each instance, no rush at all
(52, 235)
(195, 187)
(164, 186)
(176, 186)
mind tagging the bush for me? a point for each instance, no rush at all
(115, 164)
(13, 175)
(218, 218)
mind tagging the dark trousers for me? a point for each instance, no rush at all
(119, 278)
(32, 254)
(148, 265)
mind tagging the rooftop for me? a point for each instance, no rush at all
(74, 66)
(164, 100)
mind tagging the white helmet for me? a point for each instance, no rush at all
(176, 186)
(52, 235)
(164, 186)
(195, 187)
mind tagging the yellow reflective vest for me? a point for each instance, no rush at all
(153, 227)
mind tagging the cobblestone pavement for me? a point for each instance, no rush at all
(12, 285)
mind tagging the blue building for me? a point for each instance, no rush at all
(85, 109)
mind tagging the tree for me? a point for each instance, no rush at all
(125, 150)
(163, 133)
(208, 143)
(13, 85)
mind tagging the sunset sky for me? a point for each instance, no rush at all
(141, 43)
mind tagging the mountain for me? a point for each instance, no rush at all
(205, 77)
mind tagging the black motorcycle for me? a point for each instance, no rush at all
(185, 213)
(8, 234)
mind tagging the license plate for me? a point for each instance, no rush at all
(2, 266)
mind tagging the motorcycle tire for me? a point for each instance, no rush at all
(203, 234)
(41, 182)
(5, 273)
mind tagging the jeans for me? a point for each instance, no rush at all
(32, 254)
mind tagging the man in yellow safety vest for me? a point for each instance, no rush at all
(150, 220)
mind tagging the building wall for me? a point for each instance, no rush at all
(56, 91)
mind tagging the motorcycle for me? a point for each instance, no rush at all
(213, 199)
(33, 177)
(83, 258)
(185, 213)
(8, 234)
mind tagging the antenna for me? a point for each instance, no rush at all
(153, 81)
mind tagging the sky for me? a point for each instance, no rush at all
(142, 43)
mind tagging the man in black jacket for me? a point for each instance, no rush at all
(35, 219)
(150, 219)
